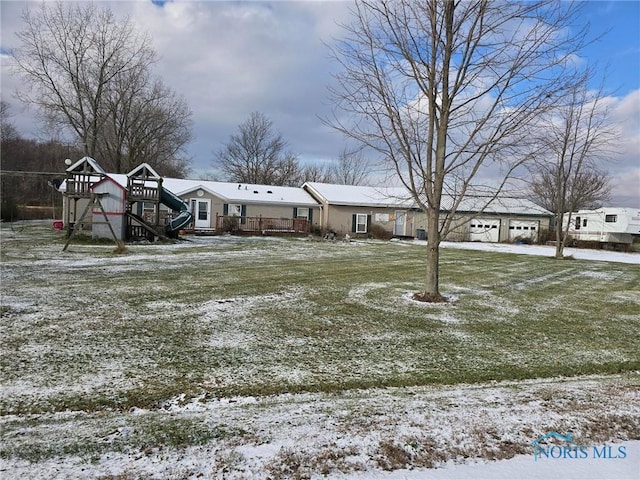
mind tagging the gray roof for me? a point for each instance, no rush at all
(400, 197)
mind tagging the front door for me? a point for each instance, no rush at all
(201, 211)
(399, 225)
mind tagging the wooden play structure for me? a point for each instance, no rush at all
(144, 186)
(111, 210)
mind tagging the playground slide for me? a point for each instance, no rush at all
(175, 203)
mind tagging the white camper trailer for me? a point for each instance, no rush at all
(605, 225)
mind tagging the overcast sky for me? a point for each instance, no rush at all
(232, 58)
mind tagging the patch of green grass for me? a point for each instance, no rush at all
(137, 435)
(90, 330)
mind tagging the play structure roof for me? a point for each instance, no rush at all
(86, 165)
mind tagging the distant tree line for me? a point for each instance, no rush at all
(29, 168)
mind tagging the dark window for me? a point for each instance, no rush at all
(577, 223)
(611, 218)
(202, 210)
(584, 222)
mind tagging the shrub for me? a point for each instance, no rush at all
(379, 232)
(230, 224)
(523, 239)
(545, 235)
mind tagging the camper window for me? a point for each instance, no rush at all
(584, 222)
(611, 218)
(577, 223)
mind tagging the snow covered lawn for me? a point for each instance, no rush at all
(227, 357)
(358, 434)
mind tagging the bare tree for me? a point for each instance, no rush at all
(447, 91)
(147, 122)
(78, 62)
(320, 173)
(351, 168)
(574, 141)
(257, 154)
(7, 129)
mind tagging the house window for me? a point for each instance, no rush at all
(202, 211)
(361, 223)
(235, 210)
(611, 218)
(302, 213)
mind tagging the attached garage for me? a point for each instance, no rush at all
(484, 230)
(523, 229)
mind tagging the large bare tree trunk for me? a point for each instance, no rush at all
(432, 280)
(559, 236)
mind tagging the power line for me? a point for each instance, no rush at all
(20, 172)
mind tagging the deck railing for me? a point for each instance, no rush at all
(231, 223)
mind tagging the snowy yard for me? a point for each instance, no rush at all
(228, 357)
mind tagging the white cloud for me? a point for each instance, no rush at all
(230, 59)
(625, 164)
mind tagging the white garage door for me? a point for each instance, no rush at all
(523, 229)
(484, 230)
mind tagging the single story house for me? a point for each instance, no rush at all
(360, 210)
(245, 207)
